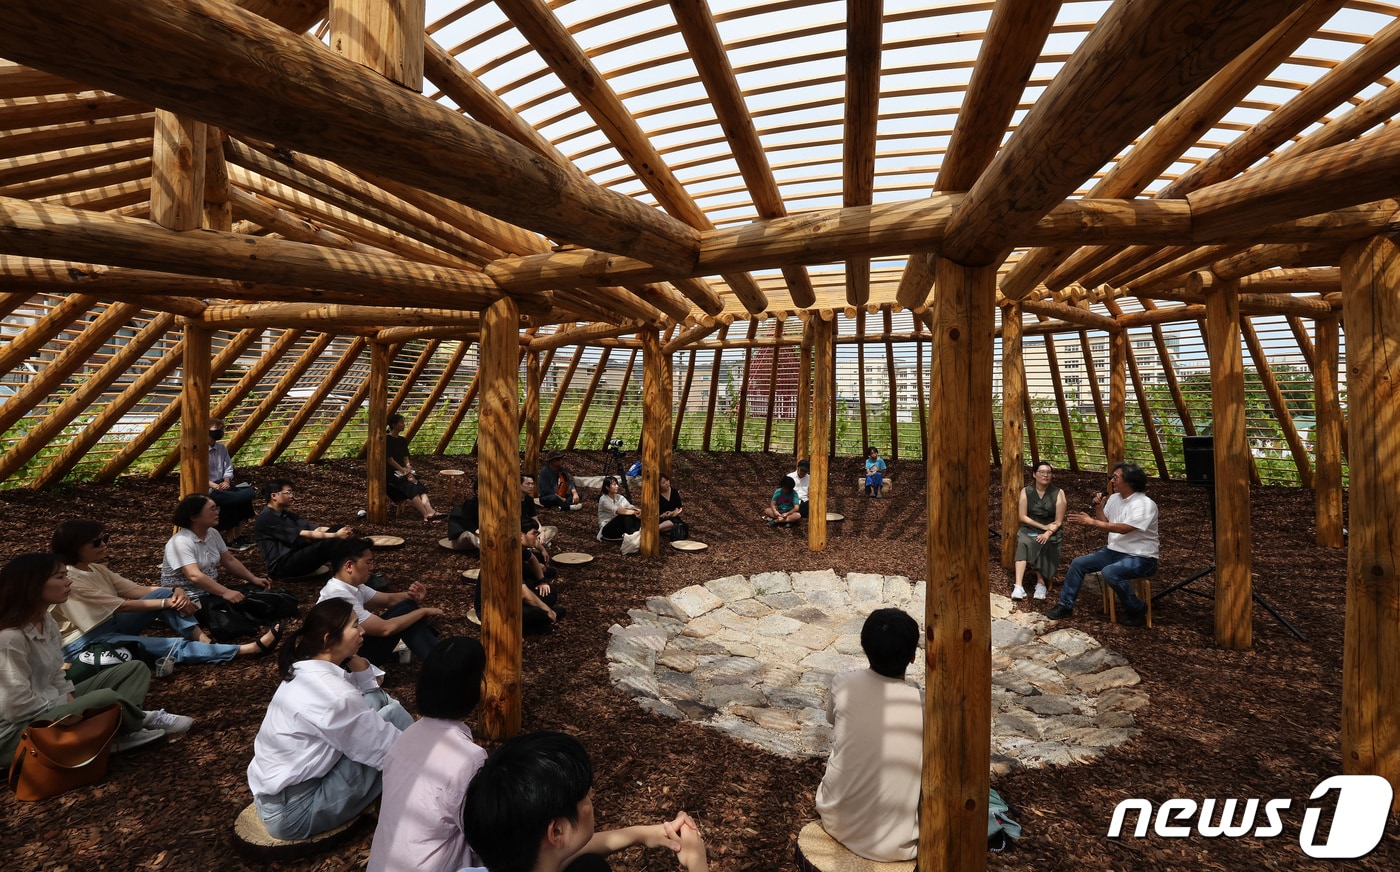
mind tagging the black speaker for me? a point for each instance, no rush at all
(1200, 460)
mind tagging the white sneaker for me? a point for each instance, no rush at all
(574, 507)
(166, 722)
(1040, 591)
(401, 650)
(130, 741)
(1018, 593)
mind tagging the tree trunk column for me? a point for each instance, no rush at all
(1327, 439)
(194, 412)
(668, 422)
(498, 489)
(824, 353)
(1371, 650)
(376, 434)
(1013, 476)
(384, 35)
(1233, 604)
(533, 378)
(656, 408)
(957, 708)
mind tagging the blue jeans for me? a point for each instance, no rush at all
(1117, 570)
(128, 626)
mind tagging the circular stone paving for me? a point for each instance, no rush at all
(754, 657)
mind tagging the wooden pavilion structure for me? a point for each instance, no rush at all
(296, 209)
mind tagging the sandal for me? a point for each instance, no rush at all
(264, 647)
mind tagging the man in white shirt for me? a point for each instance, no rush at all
(801, 482)
(406, 617)
(1130, 518)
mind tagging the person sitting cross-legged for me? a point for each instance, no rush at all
(1130, 517)
(784, 507)
(539, 608)
(464, 522)
(406, 617)
(291, 547)
(555, 477)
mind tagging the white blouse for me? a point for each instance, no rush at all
(32, 679)
(607, 509)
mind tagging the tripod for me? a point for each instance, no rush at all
(1185, 583)
(615, 465)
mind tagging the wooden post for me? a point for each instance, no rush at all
(802, 430)
(656, 408)
(194, 412)
(384, 35)
(668, 392)
(1116, 446)
(177, 173)
(1013, 462)
(823, 353)
(376, 454)
(890, 377)
(498, 487)
(1327, 439)
(533, 377)
(1051, 356)
(1091, 375)
(1232, 541)
(957, 707)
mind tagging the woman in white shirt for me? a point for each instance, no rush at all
(616, 516)
(196, 553)
(318, 754)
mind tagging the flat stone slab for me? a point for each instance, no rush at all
(754, 657)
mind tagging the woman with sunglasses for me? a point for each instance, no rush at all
(105, 607)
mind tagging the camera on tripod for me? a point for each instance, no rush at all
(614, 445)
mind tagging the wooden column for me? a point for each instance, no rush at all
(1232, 546)
(1371, 649)
(376, 435)
(498, 487)
(177, 172)
(533, 377)
(656, 409)
(194, 412)
(823, 355)
(957, 707)
(668, 430)
(802, 429)
(384, 35)
(1116, 446)
(1013, 398)
(1327, 438)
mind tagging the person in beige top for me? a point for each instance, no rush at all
(869, 797)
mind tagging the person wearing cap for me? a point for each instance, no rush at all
(801, 481)
(556, 484)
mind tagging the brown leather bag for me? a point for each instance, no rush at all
(55, 757)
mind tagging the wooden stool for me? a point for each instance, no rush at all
(817, 851)
(1142, 589)
(252, 840)
(452, 476)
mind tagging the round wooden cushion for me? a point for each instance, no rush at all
(471, 574)
(473, 616)
(572, 558)
(451, 472)
(817, 851)
(688, 545)
(835, 516)
(445, 542)
(387, 541)
(252, 840)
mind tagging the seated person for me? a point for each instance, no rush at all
(616, 515)
(670, 504)
(406, 617)
(877, 746)
(196, 553)
(235, 501)
(291, 547)
(529, 509)
(464, 522)
(427, 771)
(802, 483)
(874, 473)
(783, 507)
(317, 756)
(403, 482)
(539, 609)
(105, 607)
(556, 485)
(530, 807)
(1130, 517)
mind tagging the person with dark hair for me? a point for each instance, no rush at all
(530, 809)
(877, 745)
(464, 521)
(235, 500)
(196, 553)
(669, 508)
(529, 509)
(406, 617)
(291, 547)
(802, 483)
(784, 507)
(874, 473)
(616, 515)
(539, 609)
(105, 607)
(33, 685)
(556, 483)
(1041, 508)
(1130, 518)
(317, 756)
(403, 481)
(427, 771)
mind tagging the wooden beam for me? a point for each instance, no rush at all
(218, 209)
(1115, 450)
(823, 399)
(1013, 423)
(1072, 314)
(177, 172)
(337, 110)
(1278, 403)
(376, 450)
(1327, 441)
(87, 134)
(386, 37)
(534, 377)
(194, 411)
(656, 408)
(862, 113)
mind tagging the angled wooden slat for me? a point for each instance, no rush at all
(743, 409)
(68, 137)
(314, 402)
(1052, 359)
(17, 80)
(375, 450)
(1277, 402)
(558, 396)
(38, 334)
(105, 198)
(449, 372)
(714, 393)
(587, 400)
(684, 402)
(411, 380)
(778, 326)
(622, 391)
(67, 163)
(80, 180)
(332, 432)
(1327, 441)
(275, 394)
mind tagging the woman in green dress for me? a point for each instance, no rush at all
(1042, 509)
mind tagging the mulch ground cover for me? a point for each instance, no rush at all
(1261, 723)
